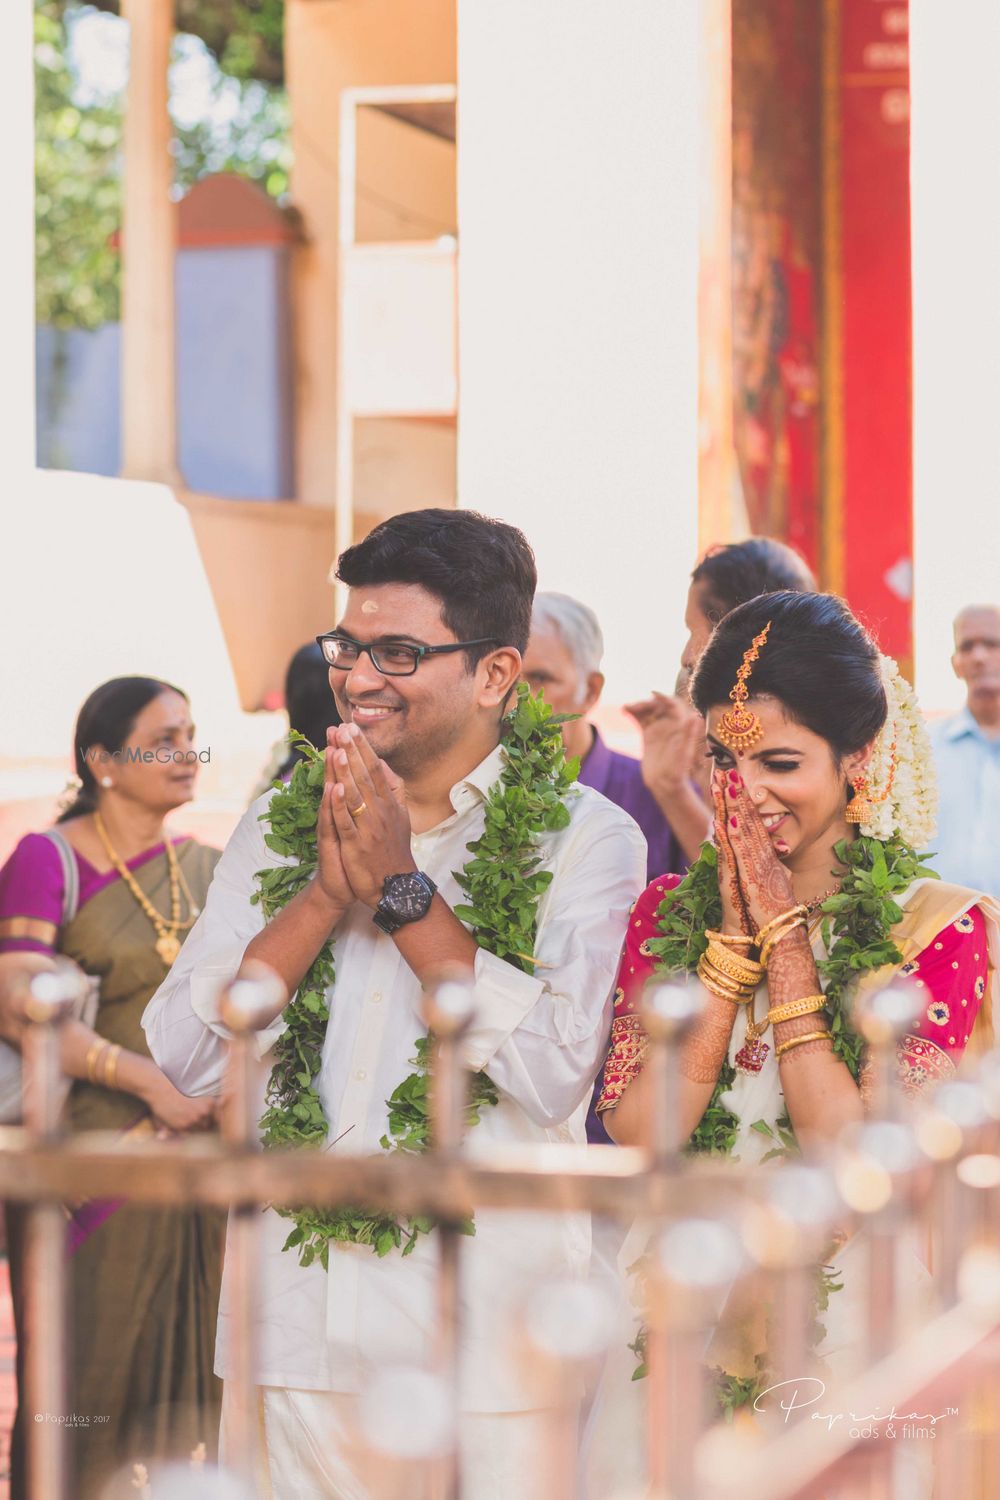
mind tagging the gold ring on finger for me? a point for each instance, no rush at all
(356, 812)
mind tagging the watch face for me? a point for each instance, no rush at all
(407, 897)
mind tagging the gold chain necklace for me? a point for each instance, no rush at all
(167, 942)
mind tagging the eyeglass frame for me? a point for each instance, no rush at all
(419, 651)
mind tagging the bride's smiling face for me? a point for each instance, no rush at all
(794, 778)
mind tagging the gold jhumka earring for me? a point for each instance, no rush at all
(861, 808)
(740, 728)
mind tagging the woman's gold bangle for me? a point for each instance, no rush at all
(706, 966)
(799, 1041)
(730, 939)
(111, 1067)
(776, 922)
(718, 984)
(742, 969)
(94, 1052)
(807, 1006)
(772, 942)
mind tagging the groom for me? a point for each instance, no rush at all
(423, 664)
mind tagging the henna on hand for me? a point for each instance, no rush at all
(728, 863)
(763, 878)
(707, 1045)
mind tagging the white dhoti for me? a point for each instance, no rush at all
(310, 1447)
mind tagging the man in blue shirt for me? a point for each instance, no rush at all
(967, 755)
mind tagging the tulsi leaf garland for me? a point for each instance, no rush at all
(503, 882)
(857, 933)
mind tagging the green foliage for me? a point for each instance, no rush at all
(78, 147)
(504, 884)
(503, 879)
(245, 36)
(77, 188)
(857, 926)
(732, 1392)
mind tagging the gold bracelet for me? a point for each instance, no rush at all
(775, 922)
(717, 984)
(94, 1052)
(804, 1007)
(798, 1041)
(727, 981)
(111, 1067)
(730, 939)
(772, 942)
(744, 970)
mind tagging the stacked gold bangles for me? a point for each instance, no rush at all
(102, 1064)
(727, 969)
(771, 934)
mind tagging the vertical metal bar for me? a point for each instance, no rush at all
(246, 1005)
(49, 1002)
(447, 1100)
(448, 1012)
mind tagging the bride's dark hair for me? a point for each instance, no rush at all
(818, 661)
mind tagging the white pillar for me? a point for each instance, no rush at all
(578, 280)
(149, 230)
(17, 258)
(955, 56)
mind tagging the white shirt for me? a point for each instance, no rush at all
(541, 1037)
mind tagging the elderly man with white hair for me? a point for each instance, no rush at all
(563, 660)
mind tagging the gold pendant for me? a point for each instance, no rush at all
(168, 947)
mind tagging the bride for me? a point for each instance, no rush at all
(810, 895)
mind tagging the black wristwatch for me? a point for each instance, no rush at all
(405, 898)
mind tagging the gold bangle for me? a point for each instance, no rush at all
(799, 1041)
(775, 922)
(772, 942)
(744, 970)
(730, 939)
(111, 1067)
(726, 989)
(807, 1006)
(94, 1053)
(728, 981)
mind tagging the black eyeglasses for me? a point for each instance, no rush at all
(389, 658)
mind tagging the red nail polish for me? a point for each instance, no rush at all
(733, 823)
(734, 791)
(734, 776)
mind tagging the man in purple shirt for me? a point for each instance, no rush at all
(563, 660)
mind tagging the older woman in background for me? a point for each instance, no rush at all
(109, 889)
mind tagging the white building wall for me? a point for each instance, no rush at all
(578, 261)
(955, 54)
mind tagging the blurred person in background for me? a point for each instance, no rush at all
(967, 755)
(563, 661)
(673, 736)
(311, 709)
(110, 890)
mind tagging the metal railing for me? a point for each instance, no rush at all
(715, 1228)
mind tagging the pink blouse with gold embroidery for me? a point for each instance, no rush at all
(950, 974)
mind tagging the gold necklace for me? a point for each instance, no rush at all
(167, 942)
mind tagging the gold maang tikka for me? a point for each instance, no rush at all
(740, 728)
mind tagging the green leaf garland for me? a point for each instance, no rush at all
(503, 882)
(857, 933)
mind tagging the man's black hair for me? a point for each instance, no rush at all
(731, 574)
(482, 570)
